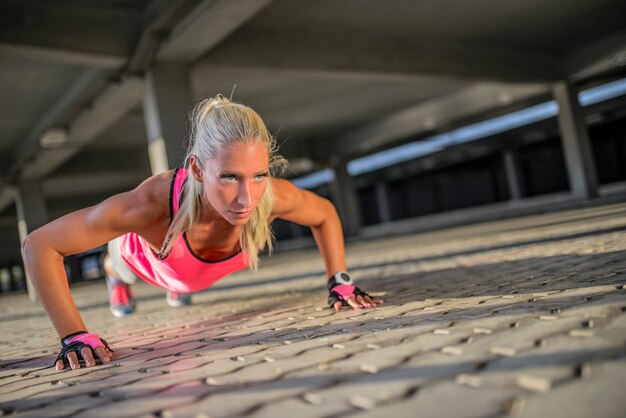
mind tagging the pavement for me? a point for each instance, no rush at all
(522, 317)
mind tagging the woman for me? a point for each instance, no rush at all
(185, 229)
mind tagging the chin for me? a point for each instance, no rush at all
(238, 220)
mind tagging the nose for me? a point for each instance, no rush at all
(243, 197)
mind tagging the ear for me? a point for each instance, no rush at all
(196, 171)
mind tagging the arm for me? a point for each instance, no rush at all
(306, 208)
(44, 249)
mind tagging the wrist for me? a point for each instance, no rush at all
(65, 340)
(340, 278)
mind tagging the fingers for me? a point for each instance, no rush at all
(73, 359)
(374, 301)
(358, 302)
(352, 302)
(363, 302)
(103, 354)
(88, 357)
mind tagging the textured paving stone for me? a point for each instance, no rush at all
(523, 317)
(435, 401)
(601, 394)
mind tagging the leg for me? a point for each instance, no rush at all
(115, 267)
(108, 268)
(119, 277)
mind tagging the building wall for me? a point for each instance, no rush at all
(609, 148)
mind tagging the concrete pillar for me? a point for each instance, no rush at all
(31, 214)
(18, 278)
(345, 198)
(382, 200)
(513, 174)
(167, 103)
(5, 280)
(576, 145)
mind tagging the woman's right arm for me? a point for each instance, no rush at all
(44, 249)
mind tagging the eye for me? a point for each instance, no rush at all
(260, 176)
(228, 177)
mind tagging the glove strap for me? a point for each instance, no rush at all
(66, 340)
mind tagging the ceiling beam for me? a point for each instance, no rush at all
(100, 160)
(117, 100)
(204, 68)
(596, 58)
(93, 183)
(324, 52)
(434, 115)
(63, 56)
(206, 26)
(29, 145)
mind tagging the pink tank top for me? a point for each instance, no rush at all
(182, 270)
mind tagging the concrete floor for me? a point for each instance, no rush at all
(523, 317)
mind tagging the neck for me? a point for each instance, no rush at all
(210, 218)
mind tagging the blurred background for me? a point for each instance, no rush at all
(407, 114)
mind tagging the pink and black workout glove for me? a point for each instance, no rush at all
(341, 288)
(75, 342)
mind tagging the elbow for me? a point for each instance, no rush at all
(33, 250)
(331, 209)
(329, 212)
(29, 246)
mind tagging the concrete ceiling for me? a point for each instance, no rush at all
(329, 77)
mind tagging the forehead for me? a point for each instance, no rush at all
(244, 156)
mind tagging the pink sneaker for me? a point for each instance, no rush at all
(121, 299)
(175, 299)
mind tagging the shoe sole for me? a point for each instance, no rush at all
(121, 314)
(178, 304)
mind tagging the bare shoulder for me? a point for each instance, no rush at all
(142, 210)
(149, 201)
(154, 190)
(286, 196)
(298, 205)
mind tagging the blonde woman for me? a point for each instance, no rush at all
(185, 229)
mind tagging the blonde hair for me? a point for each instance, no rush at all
(215, 123)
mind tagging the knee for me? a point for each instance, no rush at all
(108, 265)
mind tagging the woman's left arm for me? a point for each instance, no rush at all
(308, 209)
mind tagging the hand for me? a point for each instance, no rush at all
(351, 295)
(358, 302)
(82, 344)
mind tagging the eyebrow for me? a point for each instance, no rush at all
(221, 172)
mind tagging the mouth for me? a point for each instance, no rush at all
(241, 214)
